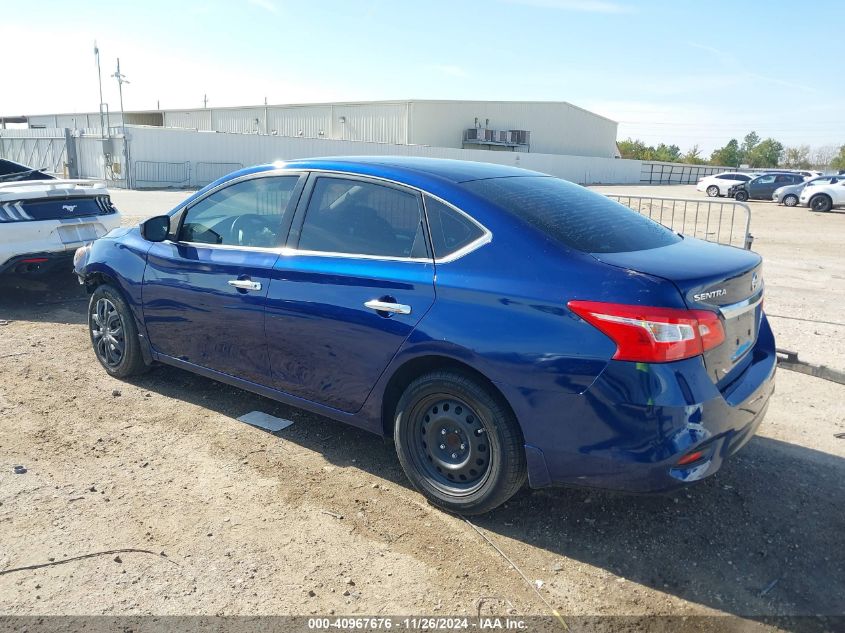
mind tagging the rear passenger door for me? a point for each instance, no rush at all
(356, 278)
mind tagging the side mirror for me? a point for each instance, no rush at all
(156, 229)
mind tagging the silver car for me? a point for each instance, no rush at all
(789, 194)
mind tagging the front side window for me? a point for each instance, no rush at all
(362, 218)
(573, 215)
(450, 230)
(250, 213)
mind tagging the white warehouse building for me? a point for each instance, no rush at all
(547, 127)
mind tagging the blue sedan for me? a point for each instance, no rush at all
(499, 324)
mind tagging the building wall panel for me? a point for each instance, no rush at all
(556, 128)
(170, 145)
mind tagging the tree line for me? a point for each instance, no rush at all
(753, 151)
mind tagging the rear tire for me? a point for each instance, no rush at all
(741, 196)
(458, 443)
(713, 191)
(790, 200)
(821, 202)
(113, 333)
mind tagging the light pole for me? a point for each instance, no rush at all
(121, 79)
(103, 128)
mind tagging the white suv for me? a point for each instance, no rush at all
(43, 220)
(718, 184)
(824, 197)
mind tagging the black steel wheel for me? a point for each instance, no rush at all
(741, 196)
(821, 202)
(458, 443)
(114, 335)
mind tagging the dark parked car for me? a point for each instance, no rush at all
(762, 187)
(498, 323)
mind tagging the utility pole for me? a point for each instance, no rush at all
(121, 79)
(205, 101)
(103, 129)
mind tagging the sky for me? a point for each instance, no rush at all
(683, 72)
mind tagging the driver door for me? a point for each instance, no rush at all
(205, 287)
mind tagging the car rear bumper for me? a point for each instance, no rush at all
(38, 263)
(628, 430)
(53, 239)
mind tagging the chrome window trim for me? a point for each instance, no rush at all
(733, 310)
(227, 247)
(486, 238)
(291, 252)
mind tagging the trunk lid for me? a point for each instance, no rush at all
(713, 277)
(30, 201)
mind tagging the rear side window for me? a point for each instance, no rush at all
(450, 230)
(363, 218)
(742, 177)
(572, 215)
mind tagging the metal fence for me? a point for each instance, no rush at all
(37, 148)
(206, 172)
(159, 173)
(658, 173)
(712, 220)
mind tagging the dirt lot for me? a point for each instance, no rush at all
(318, 518)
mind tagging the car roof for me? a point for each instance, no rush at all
(401, 168)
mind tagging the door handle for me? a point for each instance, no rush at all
(245, 284)
(386, 306)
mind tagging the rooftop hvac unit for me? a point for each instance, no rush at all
(503, 136)
(485, 134)
(471, 133)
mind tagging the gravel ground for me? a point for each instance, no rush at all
(319, 519)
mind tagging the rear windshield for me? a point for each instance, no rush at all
(572, 215)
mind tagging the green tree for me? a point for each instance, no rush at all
(727, 156)
(766, 153)
(748, 144)
(630, 148)
(797, 157)
(667, 153)
(693, 156)
(838, 161)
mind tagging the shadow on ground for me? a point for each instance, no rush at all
(50, 298)
(762, 537)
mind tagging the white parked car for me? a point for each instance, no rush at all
(718, 184)
(43, 220)
(789, 194)
(824, 197)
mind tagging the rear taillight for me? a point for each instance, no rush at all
(653, 335)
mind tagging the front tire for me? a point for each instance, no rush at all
(458, 443)
(113, 333)
(790, 200)
(741, 196)
(821, 202)
(713, 191)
